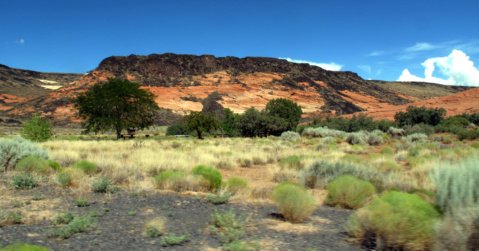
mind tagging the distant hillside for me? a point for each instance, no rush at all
(420, 90)
(180, 82)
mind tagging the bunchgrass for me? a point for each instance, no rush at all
(349, 192)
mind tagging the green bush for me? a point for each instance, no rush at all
(173, 240)
(102, 185)
(323, 132)
(37, 129)
(457, 186)
(78, 224)
(357, 138)
(398, 221)
(420, 115)
(321, 173)
(235, 184)
(54, 165)
(293, 202)
(34, 164)
(13, 150)
(453, 124)
(10, 218)
(211, 175)
(254, 123)
(24, 247)
(218, 199)
(396, 132)
(292, 162)
(24, 181)
(349, 192)
(228, 226)
(64, 218)
(86, 166)
(419, 128)
(64, 179)
(375, 138)
(290, 136)
(178, 129)
(353, 124)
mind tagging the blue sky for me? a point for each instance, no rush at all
(379, 39)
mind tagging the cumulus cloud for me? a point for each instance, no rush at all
(327, 66)
(457, 68)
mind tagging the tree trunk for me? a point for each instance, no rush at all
(198, 132)
(118, 133)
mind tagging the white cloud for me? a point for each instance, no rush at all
(375, 53)
(327, 66)
(422, 47)
(457, 67)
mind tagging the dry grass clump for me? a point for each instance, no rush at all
(155, 227)
(178, 181)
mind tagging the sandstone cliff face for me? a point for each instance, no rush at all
(180, 82)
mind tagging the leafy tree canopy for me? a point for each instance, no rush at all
(285, 109)
(37, 129)
(116, 104)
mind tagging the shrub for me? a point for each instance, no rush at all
(357, 138)
(173, 240)
(10, 218)
(54, 165)
(254, 123)
(34, 164)
(177, 129)
(82, 202)
(78, 224)
(292, 162)
(241, 246)
(416, 137)
(453, 124)
(323, 132)
(218, 199)
(24, 247)
(354, 124)
(86, 166)
(349, 192)
(176, 180)
(470, 134)
(398, 220)
(13, 150)
(235, 184)
(321, 172)
(155, 227)
(396, 132)
(64, 218)
(458, 231)
(102, 185)
(37, 129)
(419, 128)
(293, 202)
(417, 115)
(375, 138)
(228, 226)
(290, 136)
(24, 181)
(456, 184)
(64, 179)
(211, 175)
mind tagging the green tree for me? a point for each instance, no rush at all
(285, 109)
(229, 122)
(37, 129)
(254, 123)
(116, 104)
(417, 115)
(201, 122)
